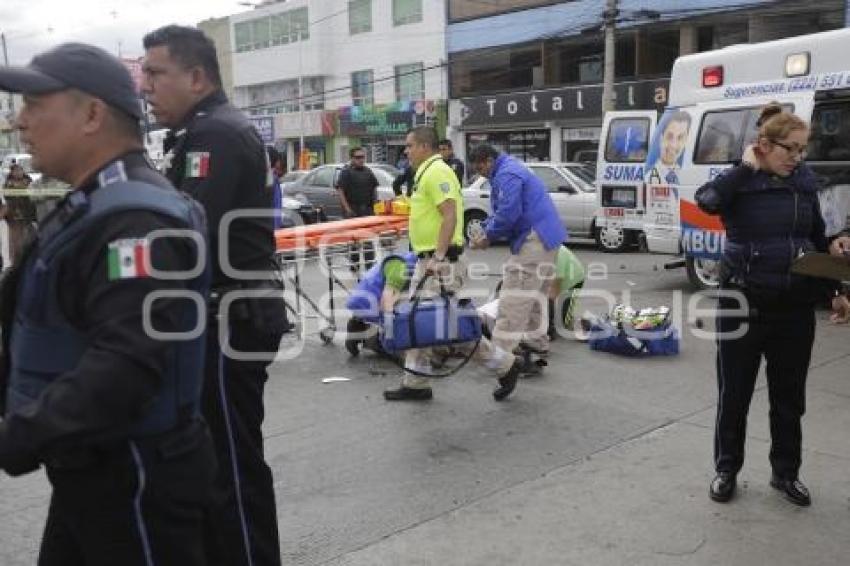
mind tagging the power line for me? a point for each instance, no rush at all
(493, 52)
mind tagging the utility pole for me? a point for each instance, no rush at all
(610, 17)
(11, 96)
(300, 98)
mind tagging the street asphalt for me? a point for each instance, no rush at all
(602, 460)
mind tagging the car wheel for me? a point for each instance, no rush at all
(704, 274)
(473, 218)
(612, 239)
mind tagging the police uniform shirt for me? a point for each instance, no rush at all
(457, 166)
(219, 159)
(122, 368)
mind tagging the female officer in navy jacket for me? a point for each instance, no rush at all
(769, 206)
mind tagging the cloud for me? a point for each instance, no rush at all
(31, 26)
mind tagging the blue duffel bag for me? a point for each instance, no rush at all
(429, 322)
(623, 339)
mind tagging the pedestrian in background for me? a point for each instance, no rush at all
(524, 215)
(769, 206)
(404, 179)
(90, 392)
(448, 153)
(357, 188)
(216, 156)
(277, 169)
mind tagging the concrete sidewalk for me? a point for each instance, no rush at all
(644, 501)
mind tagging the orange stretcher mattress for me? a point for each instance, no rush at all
(350, 230)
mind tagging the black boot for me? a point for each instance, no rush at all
(722, 487)
(507, 383)
(794, 490)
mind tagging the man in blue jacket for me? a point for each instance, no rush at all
(525, 216)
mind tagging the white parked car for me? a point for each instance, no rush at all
(571, 186)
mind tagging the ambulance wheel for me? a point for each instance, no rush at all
(703, 273)
(327, 335)
(612, 239)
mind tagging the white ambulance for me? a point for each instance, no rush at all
(650, 168)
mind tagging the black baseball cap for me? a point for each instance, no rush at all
(80, 66)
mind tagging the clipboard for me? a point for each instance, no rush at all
(817, 264)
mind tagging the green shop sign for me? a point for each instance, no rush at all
(386, 119)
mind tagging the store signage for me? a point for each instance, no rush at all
(581, 134)
(391, 119)
(560, 104)
(265, 127)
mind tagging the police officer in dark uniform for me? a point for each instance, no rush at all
(215, 155)
(448, 153)
(98, 386)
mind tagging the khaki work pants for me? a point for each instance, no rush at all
(487, 354)
(524, 299)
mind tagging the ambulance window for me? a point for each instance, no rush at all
(628, 139)
(725, 133)
(751, 132)
(720, 136)
(830, 139)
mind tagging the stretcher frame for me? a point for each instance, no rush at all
(322, 243)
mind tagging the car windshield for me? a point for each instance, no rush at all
(384, 178)
(585, 171)
(385, 167)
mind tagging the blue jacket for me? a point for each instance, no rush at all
(520, 204)
(769, 222)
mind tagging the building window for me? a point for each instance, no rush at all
(361, 88)
(407, 12)
(409, 82)
(280, 96)
(359, 16)
(495, 69)
(278, 29)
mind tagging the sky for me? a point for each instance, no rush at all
(31, 26)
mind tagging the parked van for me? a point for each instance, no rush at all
(715, 100)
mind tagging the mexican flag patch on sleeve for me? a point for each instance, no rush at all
(197, 164)
(128, 258)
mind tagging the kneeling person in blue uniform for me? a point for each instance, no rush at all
(376, 293)
(109, 407)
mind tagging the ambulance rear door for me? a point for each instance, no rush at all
(620, 192)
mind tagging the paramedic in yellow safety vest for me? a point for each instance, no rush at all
(436, 236)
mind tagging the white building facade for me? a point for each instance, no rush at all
(368, 69)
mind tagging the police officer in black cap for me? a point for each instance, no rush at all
(102, 328)
(216, 155)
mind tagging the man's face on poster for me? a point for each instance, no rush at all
(673, 142)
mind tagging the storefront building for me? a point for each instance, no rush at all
(336, 76)
(560, 124)
(526, 75)
(381, 129)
